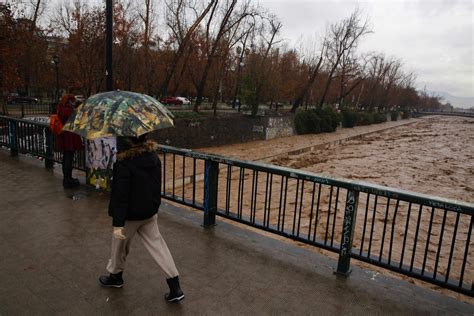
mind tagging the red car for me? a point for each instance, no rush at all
(171, 100)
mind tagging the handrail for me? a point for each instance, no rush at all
(418, 235)
(24, 109)
(361, 186)
(35, 138)
(18, 119)
(463, 114)
(328, 212)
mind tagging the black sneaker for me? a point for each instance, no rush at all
(174, 297)
(112, 280)
(175, 294)
(70, 183)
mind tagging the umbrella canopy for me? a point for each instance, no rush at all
(119, 113)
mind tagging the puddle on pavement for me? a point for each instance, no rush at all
(78, 195)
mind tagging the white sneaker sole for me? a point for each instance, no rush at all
(175, 299)
(106, 285)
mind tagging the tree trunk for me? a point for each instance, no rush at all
(211, 56)
(181, 48)
(299, 99)
(328, 82)
(262, 74)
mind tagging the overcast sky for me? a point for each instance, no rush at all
(434, 39)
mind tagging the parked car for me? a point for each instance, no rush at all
(22, 100)
(10, 96)
(184, 100)
(171, 100)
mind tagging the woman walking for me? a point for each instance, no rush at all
(134, 203)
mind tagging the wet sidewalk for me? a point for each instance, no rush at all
(53, 249)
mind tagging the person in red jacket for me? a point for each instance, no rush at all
(66, 142)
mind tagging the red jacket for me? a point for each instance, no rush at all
(67, 141)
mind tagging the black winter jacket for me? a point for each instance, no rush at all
(136, 186)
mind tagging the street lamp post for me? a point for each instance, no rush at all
(56, 66)
(108, 46)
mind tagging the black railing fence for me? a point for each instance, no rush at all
(33, 138)
(25, 110)
(424, 237)
(421, 236)
(464, 114)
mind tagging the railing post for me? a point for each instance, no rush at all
(343, 265)
(13, 137)
(52, 108)
(49, 160)
(4, 109)
(211, 171)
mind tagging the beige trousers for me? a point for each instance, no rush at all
(153, 241)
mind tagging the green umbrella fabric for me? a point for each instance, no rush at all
(119, 113)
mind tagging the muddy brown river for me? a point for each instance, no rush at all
(434, 156)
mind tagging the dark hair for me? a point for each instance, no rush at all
(125, 143)
(140, 139)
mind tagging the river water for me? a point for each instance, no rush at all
(434, 156)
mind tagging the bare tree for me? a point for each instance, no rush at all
(342, 40)
(235, 35)
(182, 33)
(394, 76)
(36, 7)
(314, 63)
(375, 78)
(84, 29)
(352, 74)
(262, 75)
(241, 51)
(146, 15)
(223, 49)
(228, 20)
(128, 37)
(382, 74)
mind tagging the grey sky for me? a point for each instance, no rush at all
(434, 39)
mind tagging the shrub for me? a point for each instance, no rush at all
(330, 119)
(365, 118)
(188, 115)
(316, 121)
(380, 118)
(349, 118)
(406, 113)
(394, 115)
(307, 122)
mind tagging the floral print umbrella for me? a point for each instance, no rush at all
(119, 113)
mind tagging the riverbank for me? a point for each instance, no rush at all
(263, 150)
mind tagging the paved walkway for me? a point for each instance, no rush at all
(53, 249)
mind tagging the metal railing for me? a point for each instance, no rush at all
(421, 236)
(33, 138)
(24, 110)
(424, 237)
(464, 114)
